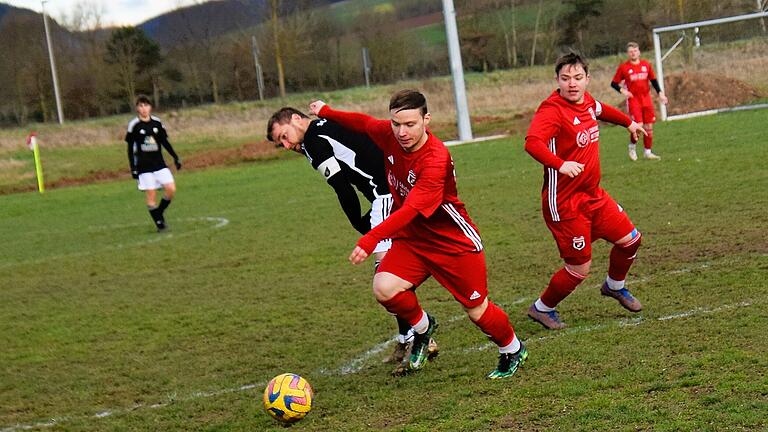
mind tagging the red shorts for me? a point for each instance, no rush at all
(595, 218)
(463, 275)
(641, 110)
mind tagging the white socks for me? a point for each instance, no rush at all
(512, 348)
(423, 324)
(614, 284)
(541, 307)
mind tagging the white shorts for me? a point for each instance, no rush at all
(380, 210)
(155, 180)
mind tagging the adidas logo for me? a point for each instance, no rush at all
(475, 295)
(576, 121)
(391, 159)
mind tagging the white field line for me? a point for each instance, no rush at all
(215, 223)
(357, 364)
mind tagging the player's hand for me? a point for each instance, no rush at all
(135, 174)
(634, 128)
(177, 162)
(663, 98)
(627, 93)
(358, 255)
(571, 168)
(316, 106)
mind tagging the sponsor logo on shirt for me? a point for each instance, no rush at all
(401, 188)
(411, 177)
(391, 159)
(149, 144)
(579, 243)
(321, 122)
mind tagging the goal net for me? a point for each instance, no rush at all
(713, 66)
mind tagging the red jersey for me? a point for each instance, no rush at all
(423, 180)
(636, 79)
(564, 131)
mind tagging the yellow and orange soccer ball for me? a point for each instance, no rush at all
(288, 398)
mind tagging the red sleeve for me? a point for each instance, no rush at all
(358, 122)
(613, 115)
(651, 73)
(619, 76)
(427, 194)
(544, 126)
(391, 225)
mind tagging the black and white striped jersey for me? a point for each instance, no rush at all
(348, 161)
(332, 149)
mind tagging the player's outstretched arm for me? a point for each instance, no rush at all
(354, 121)
(391, 225)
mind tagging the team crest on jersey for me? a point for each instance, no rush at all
(582, 139)
(411, 178)
(154, 130)
(579, 243)
(592, 113)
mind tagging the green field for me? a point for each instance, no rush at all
(108, 326)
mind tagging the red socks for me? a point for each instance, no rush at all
(405, 305)
(622, 258)
(495, 323)
(562, 283)
(648, 140)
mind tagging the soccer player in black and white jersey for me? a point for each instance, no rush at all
(145, 135)
(348, 161)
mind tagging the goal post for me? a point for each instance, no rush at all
(694, 45)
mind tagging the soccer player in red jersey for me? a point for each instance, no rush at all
(564, 137)
(431, 231)
(636, 74)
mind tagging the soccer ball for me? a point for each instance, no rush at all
(288, 398)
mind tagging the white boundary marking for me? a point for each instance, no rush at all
(216, 223)
(357, 364)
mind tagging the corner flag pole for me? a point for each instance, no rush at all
(457, 70)
(32, 143)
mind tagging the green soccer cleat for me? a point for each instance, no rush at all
(509, 363)
(420, 348)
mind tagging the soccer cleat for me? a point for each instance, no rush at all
(161, 226)
(651, 156)
(550, 320)
(397, 356)
(624, 297)
(632, 154)
(420, 348)
(509, 363)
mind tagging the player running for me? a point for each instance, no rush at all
(431, 231)
(145, 135)
(346, 160)
(564, 137)
(636, 73)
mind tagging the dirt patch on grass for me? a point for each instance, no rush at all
(694, 91)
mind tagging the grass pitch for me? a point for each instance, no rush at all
(107, 325)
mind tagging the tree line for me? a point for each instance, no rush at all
(301, 48)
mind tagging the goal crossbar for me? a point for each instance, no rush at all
(698, 24)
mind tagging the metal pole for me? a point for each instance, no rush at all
(659, 72)
(53, 66)
(259, 71)
(367, 67)
(457, 70)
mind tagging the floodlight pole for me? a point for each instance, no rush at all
(457, 71)
(59, 111)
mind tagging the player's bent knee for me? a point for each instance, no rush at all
(476, 312)
(387, 285)
(631, 242)
(580, 266)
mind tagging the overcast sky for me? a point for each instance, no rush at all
(117, 12)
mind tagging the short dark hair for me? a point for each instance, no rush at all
(408, 99)
(143, 99)
(572, 58)
(283, 115)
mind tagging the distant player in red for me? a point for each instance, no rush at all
(564, 137)
(431, 231)
(636, 74)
